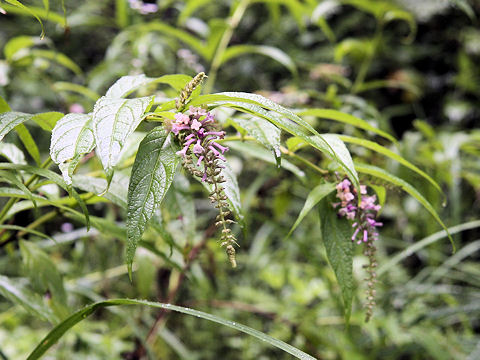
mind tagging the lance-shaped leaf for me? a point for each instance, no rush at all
(315, 196)
(265, 132)
(10, 119)
(152, 175)
(114, 120)
(72, 137)
(336, 234)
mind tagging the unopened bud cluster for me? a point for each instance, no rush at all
(363, 215)
(198, 133)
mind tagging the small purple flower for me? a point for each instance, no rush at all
(196, 125)
(364, 214)
(202, 133)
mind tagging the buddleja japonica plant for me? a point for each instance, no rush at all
(189, 135)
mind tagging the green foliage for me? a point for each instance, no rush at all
(371, 91)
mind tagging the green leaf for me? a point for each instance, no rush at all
(36, 12)
(346, 119)
(75, 318)
(57, 57)
(384, 151)
(47, 120)
(43, 273)
(50, 175)
(382, 174)
(255, 105)
(29, 11)
(76, 88)
(186, 204)
(313, 198)
(4, 107)
(11, 178)
(128, 84)
(24, 229)
(12, 153)
(270, 51)
(192, 41)
(16, 291)
(72, 138)
(263, 131)
(336, 235)
(152, 175)
(258, 152)
(413, 248)
(18, 43)
(27, 140)
(117, 191)
(9, 120)
(114, 120)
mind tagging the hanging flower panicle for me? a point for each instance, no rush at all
(198, 134)
(365, 225)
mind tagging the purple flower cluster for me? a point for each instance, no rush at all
(142, 7)
(364, 213)
(199, 134)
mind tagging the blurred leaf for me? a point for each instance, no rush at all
(76, 88)
(4, 107)
(113, 121)
(9, 120)
(57, 57)
(68, 323)
(18, 43)
(152, 175)
(337, 238)
(15, 291)
(36, 12)
(42, 272)
(345, 118)
(382, 174)
(12, 179)
(117, 191)
(27, 230)
(384, 151)
(27, 140)
(72, 138)
(29, 11)
(128, 84)
(313, 198)
(253, 150)
(12, 153)
(50, 175)
(270, 51)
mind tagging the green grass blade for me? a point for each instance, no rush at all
(57, 332)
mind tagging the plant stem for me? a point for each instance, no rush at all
(223, 44)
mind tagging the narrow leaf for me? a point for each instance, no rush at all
(54, 335)
(152, 175)
(270, 51)
(313, 198)
(47, 120)
(16, 291)
(28, 10)
(117, 191)
(114, 120)
(27, 140)
(382, 174)
(346, 119)
(57, 179)
(384, 151)
(336, 235)
(9, 120)
(72, 138)
(4, 107)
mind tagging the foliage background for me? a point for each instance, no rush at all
(416, 76)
